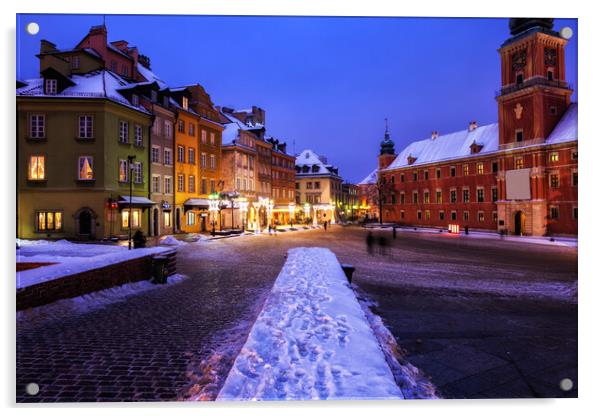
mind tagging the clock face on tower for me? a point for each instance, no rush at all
(519, 60)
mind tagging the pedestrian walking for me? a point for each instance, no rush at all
(370, 243)
(325, 225)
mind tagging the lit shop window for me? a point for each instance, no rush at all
(86, 127)
(37, 126)
(125, 218)
(167, 218)
(37, 167)
(49, 221)
(85, 168)
(190, 218)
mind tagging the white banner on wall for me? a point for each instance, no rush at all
(518, 184)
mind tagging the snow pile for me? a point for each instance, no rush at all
(171, 241)
(413, 384)
(73, 258)
(311, 340)
(27, 243)
(88, 302)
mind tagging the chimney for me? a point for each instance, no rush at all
(46, 46)
(472, 126)
(434, 134)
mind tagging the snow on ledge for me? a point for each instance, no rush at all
(311, 341)
(74, 265)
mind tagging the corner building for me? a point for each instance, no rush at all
(518, 175)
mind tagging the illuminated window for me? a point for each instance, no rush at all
(125, 218)
(481, 216)
(37, 126)
(190, 218)
(554, 157)
(212, 138)
(85, 168)
(37, 168)
(518, 163)
(86, 127)
(185, 103)
(439, 196)
(427, 197)
(167, 218)
(480, 169)
(49, 221)
(465, 170)
(554, 180)
(123, 170)
(212, 162)
(427, 215)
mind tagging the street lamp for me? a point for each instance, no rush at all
(131, 172)
(291, 212)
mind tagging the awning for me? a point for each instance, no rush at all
(197, 203)
(137, 201)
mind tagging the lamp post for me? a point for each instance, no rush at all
(291, 213)
(130, 171)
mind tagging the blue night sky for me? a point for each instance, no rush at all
(326, 83)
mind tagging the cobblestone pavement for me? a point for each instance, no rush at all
(471, 344)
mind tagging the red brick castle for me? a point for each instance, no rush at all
(518, 175)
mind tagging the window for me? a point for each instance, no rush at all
(49, 221)
(402, 198)
(204, 186)
(439, 196)
(167, 156)
(203, 160)
(554, 180)
(441, 215)
(426, 175)
(316, 185)
(155, 154)
(180, 183)
(191, 156)
(212, 185)
(138, 135)
(550, 75)
(204, 136)
(465, 215)
(167, 218)
(574, 154)
(123, 170)
(180, 154)
(75, 62)
(167, 128)
(191, 129)
(86, 127)
(37, 126)
(51, 86)
(37, 168)
(393, 199)
(138, 176)
(402, 214)
(427, 197)
(518, 163)
(574, 178)
(185, 103)
(212, 164)
(494, 167)
(191, 184)
(125, 218)
(494, 217)
(466, 195)
(309, 185)
(438, 173)
(481, 216)
(415, 197)
(453, 216)
(465, 170)
(480, 195)
(452, 171)
(554, 157)
(402, 177)
(452, 196)
(85, 168)
(124, 132)
(212, 139)
(480, 169)
(167, 185)
(553, 110)
(427, 215)
(554, 212)
(493, 194)
(518, 135)
(574, 213)
(419, 215)
(181, 126)
(135, 100)
(156, 184)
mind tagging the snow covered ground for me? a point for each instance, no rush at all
(89, 302)
(311, 340)
(71, 258)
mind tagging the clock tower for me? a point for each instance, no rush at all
(534, 93)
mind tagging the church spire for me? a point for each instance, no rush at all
(387, 147)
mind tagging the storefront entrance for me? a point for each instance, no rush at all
(519, 222)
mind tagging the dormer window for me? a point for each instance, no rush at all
(50, 86)
(411, 159)
(185, 103)
(154, 96)
(135, 100)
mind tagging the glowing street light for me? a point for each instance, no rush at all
(291, 212)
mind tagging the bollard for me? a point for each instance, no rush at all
(348, 269)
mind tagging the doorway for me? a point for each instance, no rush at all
(519, 222)
(85, 223)
(155, 222)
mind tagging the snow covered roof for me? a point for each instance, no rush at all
(566, 129)
(197, 202)
(316, 167)
(457, 145)
(136, 200)
(95, 84)
(230, 133)
(371, 178)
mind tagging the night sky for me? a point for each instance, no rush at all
(325, 83)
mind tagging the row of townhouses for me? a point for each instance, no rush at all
(105, 146)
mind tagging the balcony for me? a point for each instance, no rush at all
(531, 82)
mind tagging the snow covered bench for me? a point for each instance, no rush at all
(311, 340)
